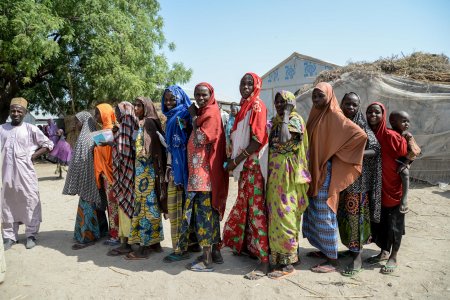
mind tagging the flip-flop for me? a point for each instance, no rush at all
(344, 254)
(375, 260)
(254, 275)
(350, 272)
(173, 257)
(79, 246)
(388, 269)
(324, 268)
(316, 254)
(118, 252)
(279, 274)
(201, 267)
(404, 211)
(134, 256)
(111, 242)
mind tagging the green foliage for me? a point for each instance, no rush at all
(67, 55)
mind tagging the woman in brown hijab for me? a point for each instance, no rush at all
(149, 187)
(335, 161)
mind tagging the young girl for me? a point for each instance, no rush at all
(61, 154)
(388, 233)
(360, 203)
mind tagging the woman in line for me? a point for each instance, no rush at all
(123, 171)
(208, 180)
(230, 123)
(360, 203)
(91, 223)
(149, 187)
(388, 233)
(335, 161)
(246, 228)
(287, 184)
(52, 131)
(175, 103)
(105, 117)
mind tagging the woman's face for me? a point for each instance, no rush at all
(78, 125)
(139, 109)
(350, 105)
(280, 104)
(169, 100)
(98, 116)
(319, 99)
(202, 95)
(374, 114)
(246, 86)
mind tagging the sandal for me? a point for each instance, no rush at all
(174, 257)
(78, 246)
(388, 269)
(350, 272)
(324, 268)
(281, 273)
(316, 254)
(135, 256)
(254, 275)
(118, 251)
(344, 254)
(201, 267)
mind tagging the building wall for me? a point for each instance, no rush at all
(290, 76)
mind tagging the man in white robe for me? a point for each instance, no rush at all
(20, 192)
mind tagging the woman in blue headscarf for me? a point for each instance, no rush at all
(175, 103)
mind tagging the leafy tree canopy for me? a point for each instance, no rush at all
(66, 55)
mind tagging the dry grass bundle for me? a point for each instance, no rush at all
(418, 66)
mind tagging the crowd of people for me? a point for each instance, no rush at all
(344, 171)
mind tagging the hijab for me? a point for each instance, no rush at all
(154, 149)
(257, 121)
(332, 136)
(80, 178)
(123, 158)
(209, 121)
(176, 137)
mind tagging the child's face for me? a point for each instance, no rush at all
(401, 123)
(374, 114)
(350, 105)
(246, 86)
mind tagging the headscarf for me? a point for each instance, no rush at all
(209, 121)
(333, 136)
(107, 115)
(177, 138)
(297, 125)
(103, 154)
(257, 121)
(123, 158)
(370, 179)
(393, 146)
(80, 178)
(154, 148)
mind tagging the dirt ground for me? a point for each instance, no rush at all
(52, 270)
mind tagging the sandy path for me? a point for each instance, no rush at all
(53, 271)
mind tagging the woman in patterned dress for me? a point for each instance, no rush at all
(149, 187)
(287, 184)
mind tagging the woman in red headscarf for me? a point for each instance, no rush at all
(336, 148)
(207, 188)
(104, 114)
(246, 228)
(388, 233)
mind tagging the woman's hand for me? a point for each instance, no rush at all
(231, 165)
(192, 110)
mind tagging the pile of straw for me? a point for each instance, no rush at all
(418, 66)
